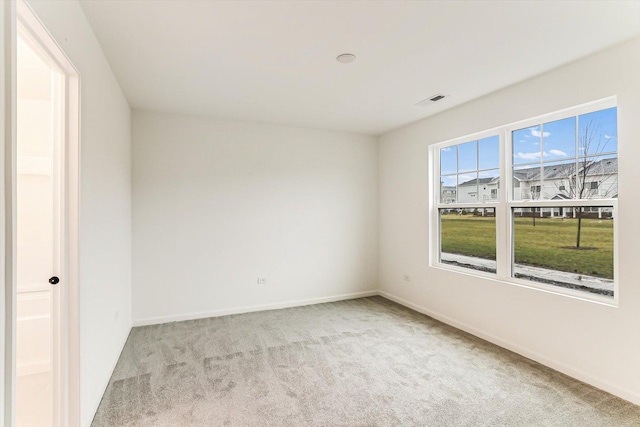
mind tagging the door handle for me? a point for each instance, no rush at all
(54, 280)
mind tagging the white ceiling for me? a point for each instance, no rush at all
(274, 62)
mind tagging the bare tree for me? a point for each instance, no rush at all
(592, 176)
(535, 195)
(533, 192)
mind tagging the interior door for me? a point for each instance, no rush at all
(38, 213)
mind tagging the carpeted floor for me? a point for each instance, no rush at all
(365, 362)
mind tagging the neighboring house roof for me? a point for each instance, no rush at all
(556, 171)
(551, 171)
(566, 170)
(480, 181)
(605, 167)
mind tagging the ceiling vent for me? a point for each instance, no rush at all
(431, 100)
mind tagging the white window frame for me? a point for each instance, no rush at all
(436, 205)
(505, 203)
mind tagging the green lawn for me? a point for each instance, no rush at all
(545, 245)
(469, 235)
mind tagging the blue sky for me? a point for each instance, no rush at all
(493, 173)
(448, 157)
(486, 152)
(467, 156)
(556, 140)
(605, 135)
(553, 141)
(449, 181)
(489, 152)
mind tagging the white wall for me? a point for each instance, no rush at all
(105, 206)
(596, 343)
(219, 203)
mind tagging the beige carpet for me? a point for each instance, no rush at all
(365, 362)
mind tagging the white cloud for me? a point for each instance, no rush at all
(536, 155)
(557, 153)
(609, 137)
(446, 149)
(536, 133)
(528, 156)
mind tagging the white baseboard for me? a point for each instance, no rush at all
(249, 309)
(578, 374)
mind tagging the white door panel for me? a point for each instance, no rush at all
(34, 333)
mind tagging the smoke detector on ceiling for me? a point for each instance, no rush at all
(430, 100)
(346, 58)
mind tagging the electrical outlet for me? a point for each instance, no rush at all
(407, 278)
(262, 280)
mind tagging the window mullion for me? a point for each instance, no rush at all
(502, 212)
(434, 223)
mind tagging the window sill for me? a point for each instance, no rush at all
(540, 287)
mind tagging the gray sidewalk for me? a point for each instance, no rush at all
(544, 275)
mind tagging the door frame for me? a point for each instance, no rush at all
(66, 349)
(7, 213)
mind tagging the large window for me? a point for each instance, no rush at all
(469, 175)
(552, 224)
